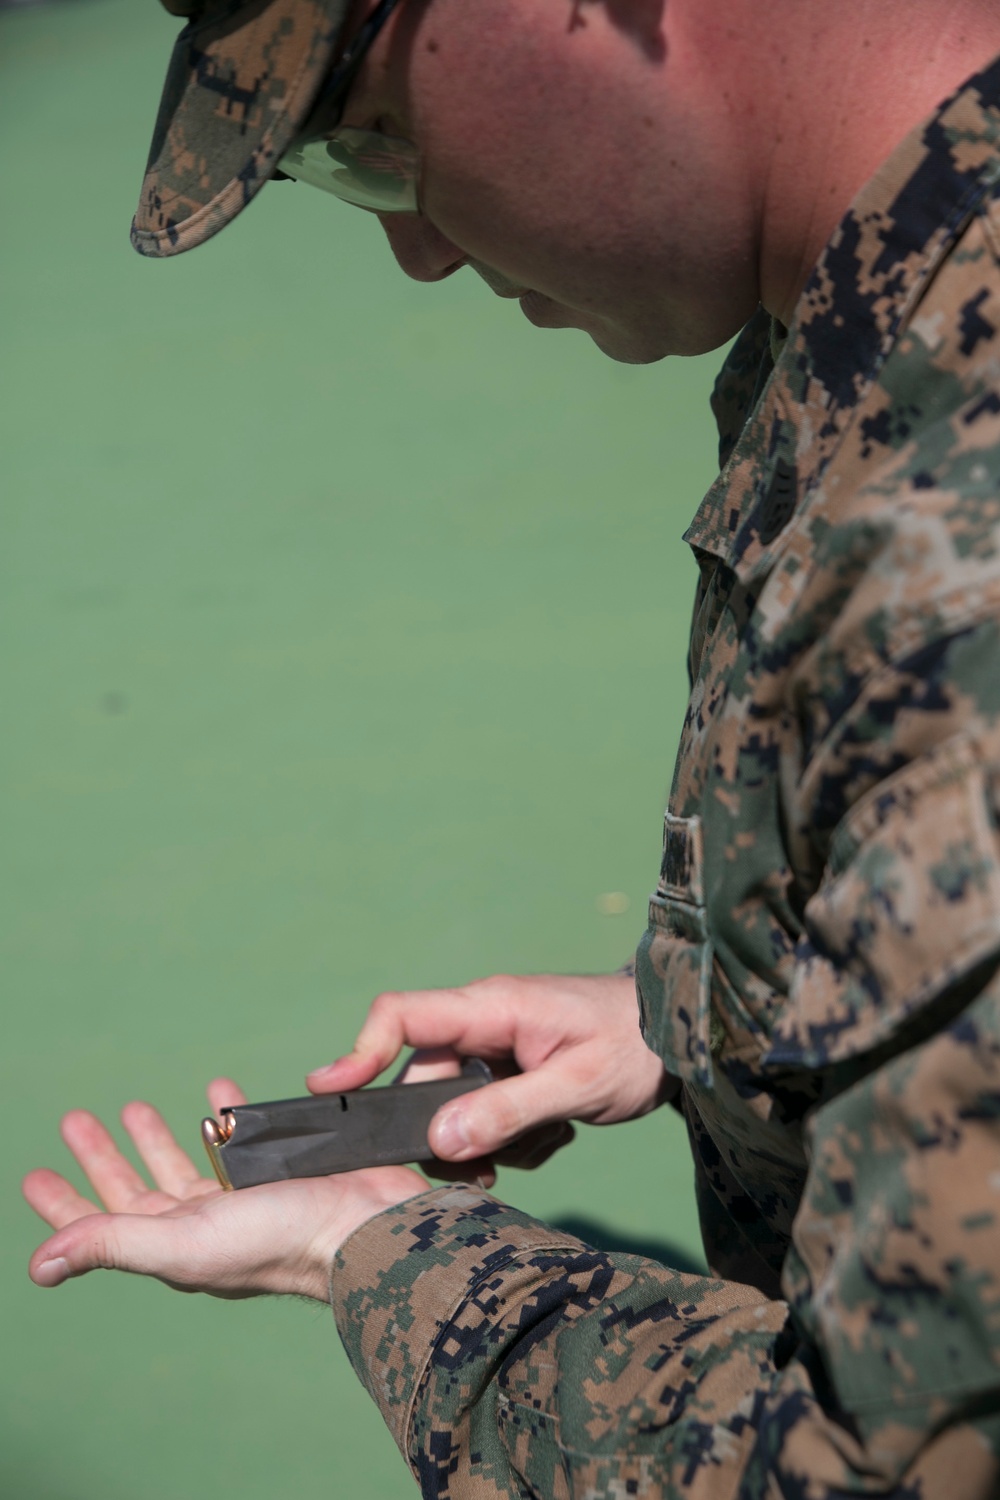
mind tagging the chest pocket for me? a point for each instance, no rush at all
(674, 959)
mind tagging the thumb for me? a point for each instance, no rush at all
(485, 1120)
(145, 1244)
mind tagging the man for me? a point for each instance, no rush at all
(817, 987)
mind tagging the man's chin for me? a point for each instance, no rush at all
(543, 312)
(627, 352)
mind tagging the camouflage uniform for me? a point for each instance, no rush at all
(820, 966)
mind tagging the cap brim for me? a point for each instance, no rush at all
(241, 83)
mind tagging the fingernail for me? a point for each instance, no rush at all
(325, 1069)
(52, 1272)
(451, 1138)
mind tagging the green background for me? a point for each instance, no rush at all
(343, 628)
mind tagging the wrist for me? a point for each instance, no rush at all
(367, 1193)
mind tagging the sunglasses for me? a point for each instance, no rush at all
(363, 167)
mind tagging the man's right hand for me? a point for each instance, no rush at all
(570, 1047)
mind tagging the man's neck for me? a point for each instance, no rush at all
(845, 85)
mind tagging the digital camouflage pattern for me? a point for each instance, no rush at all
(241, 82)
(821, 963)
(503, 1355)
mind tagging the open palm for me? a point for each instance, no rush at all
(184, 1230)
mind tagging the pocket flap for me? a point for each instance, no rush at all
(674, 959)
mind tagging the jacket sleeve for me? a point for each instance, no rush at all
(512, 1360)
(893, 1274)
(894, 1279)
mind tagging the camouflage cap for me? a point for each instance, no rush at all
(241, 83)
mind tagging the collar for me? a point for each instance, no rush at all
(866, 283)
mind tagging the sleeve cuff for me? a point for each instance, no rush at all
(399, 1278)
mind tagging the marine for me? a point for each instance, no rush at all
(817, 989)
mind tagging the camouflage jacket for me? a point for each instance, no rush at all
(820, 966)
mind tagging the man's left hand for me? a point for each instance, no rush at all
(280, 1237)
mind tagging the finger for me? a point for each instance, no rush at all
(535, 1148)
(115, 1180)
(421, 1018)
(150, 1246)
(54, 1199)
(223, 1093)
(484, 1121)
(479, 1173)
(428, 1064)
(171, 1169)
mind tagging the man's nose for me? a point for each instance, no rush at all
(421, 250)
